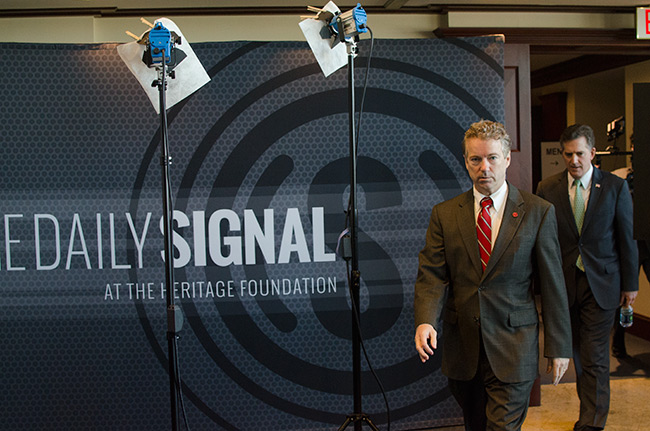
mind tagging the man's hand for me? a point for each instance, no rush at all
(425, 341)
(627, 298)
(558, 367)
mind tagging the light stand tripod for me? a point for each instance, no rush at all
(154, 57)
(357, 417)
(174, 314)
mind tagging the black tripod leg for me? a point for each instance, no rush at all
(367, 420)
(354, 418)
(347, 422)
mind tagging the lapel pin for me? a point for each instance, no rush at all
(515, 214)
(597, 185)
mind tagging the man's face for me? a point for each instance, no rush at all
(577, 155)
(486, 164)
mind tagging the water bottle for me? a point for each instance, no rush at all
(627, 317)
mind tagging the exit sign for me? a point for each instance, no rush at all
(643, 23)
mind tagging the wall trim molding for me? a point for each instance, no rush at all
(560, 40)
(394, 6)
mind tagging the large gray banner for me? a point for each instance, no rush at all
(260, 185)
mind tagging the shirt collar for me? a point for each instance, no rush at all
(585, 180)
(498, 197)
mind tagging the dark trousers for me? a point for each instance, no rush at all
(490, 404)
(591, 326)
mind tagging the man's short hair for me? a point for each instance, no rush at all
(576, 131)
(486, 130)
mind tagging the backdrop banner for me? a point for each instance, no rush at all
(260, 185)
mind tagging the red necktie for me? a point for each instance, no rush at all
(484, 231)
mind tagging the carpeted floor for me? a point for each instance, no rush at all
(559, 410)
(630, 396)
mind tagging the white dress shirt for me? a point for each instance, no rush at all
(496, 210)
(585, 182)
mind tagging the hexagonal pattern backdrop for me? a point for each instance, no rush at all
(260, 181)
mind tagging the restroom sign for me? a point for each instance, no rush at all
(643, 23)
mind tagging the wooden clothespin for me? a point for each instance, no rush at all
(146, 22)
(132, 35)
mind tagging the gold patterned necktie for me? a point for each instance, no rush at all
(579, 215)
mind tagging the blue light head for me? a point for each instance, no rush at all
(160, 39)
(353, 21)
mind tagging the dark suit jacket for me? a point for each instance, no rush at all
(498, 304)
(609, 252)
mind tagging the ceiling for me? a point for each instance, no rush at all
(26, 6)
(139, 4)
(556, 54)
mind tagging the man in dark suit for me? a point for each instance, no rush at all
(483, 249)
(599, 262)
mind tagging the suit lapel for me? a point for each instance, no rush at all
(594, 195)
(467, 227)
(563, 208)
(513, 214)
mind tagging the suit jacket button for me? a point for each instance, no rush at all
(477, 320)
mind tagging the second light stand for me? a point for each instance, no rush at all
(357, 417)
